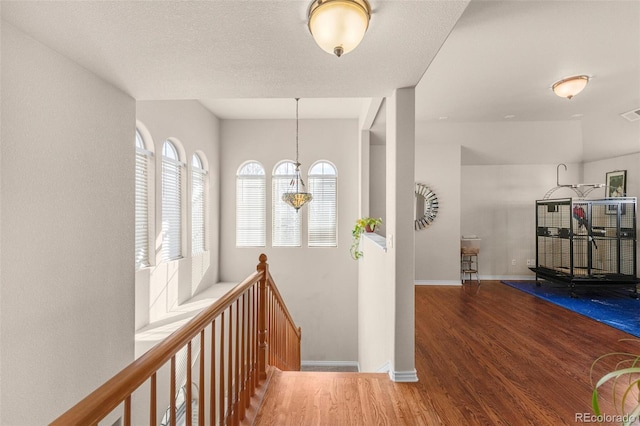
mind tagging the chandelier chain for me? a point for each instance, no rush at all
(297, 162)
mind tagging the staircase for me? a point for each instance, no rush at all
(228, 350)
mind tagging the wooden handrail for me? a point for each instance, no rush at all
(246, 296)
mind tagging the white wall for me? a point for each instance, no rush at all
(386, 279)
(319, 285)
(506, 166)
(163, 285)
(595, 171)
(376, 296)
(438, 246)
(498, 205)
(600, 132)
(378, 185)
(67, 232)
(517, 142)
(1, 32)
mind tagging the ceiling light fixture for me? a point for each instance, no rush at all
(338, 26)
(570, 86)
(297, 196)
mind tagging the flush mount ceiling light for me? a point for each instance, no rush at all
(338, 26)
(297, 195)
(570, 86)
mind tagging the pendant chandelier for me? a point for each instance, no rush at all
(297, 195)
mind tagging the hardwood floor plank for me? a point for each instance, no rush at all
(485, 355)
(530, 359)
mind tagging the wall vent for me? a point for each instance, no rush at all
(632, 115)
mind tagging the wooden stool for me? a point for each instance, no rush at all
(469, 263)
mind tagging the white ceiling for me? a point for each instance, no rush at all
(228, 49)
(250, 59)
(503, 56)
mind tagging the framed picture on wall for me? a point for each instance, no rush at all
(616, 184)
(616, 187)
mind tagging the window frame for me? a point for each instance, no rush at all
(199, 204)
(255, 209)
(172, 185)
(286, 222)
(143, 223)
(316, 227)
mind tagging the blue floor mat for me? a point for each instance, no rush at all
(614, 307)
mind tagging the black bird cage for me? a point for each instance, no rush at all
(587, 242)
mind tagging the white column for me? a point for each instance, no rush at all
(400, 173)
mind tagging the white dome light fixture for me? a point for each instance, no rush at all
(570, 86)
(338, 26)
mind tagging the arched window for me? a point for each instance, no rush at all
(171, 202)
(250, 205)
(198, 205)
(286, 220)
(142, 185)
(323, 185)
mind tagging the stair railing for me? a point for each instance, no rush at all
(283, 335)
(239, 335)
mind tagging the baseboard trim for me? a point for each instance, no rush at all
(509, 277)
(436, 282)
(404, 376)
(384, 368)
(330, 364)
(483, 277)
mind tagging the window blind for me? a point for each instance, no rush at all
(323, 209)
(142, 207)
(171, 207)
(250, 206)
(198, 207)
(286, 220)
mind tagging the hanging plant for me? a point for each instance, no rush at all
(364, 224)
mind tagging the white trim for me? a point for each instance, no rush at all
(509, 277)
(384, 368)
(144, 151)
(377, 239)
(482, 278)
(330, 364)
(404, 376)
(438, 282)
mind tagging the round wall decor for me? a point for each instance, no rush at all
(426, 206)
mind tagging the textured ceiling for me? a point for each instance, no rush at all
(249, 59)
(321, 108)
(236, 49)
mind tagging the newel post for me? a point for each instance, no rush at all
(262, 317)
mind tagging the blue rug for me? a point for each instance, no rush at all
(613, 307)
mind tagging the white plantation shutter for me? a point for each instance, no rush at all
(198, 205)
(142, 203)
(286, 219)
(250, 206)
(323, 185)
(171, 203)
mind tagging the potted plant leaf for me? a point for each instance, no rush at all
(625, 380)
(364, 224)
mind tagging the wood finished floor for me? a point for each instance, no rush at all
(485, 355)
